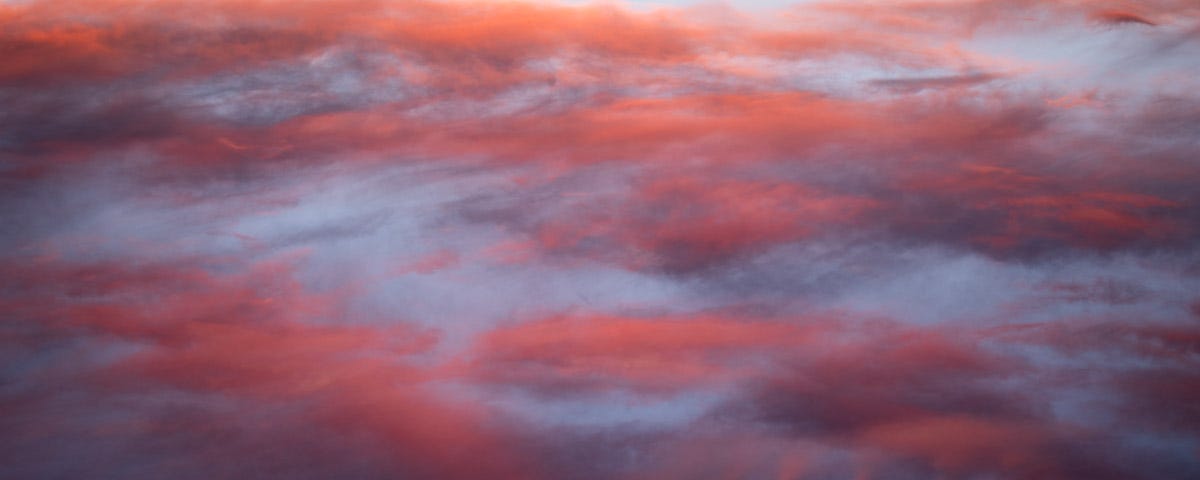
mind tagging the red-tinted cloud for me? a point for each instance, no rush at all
(457, 240)
(580, 353)
(248, 339)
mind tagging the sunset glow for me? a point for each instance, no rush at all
(447, 240)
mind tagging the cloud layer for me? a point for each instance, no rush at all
(461, 240)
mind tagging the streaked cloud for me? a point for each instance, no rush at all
(537, 240)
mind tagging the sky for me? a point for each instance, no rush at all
(424, 239)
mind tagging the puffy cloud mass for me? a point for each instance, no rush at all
(614, 241)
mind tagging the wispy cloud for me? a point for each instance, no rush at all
(466, 239)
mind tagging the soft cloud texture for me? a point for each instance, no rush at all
(540, 240)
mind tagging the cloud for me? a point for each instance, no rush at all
(179, 335)
(581, 353)
(909, 85)
(460, 239)
(1118, 17)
